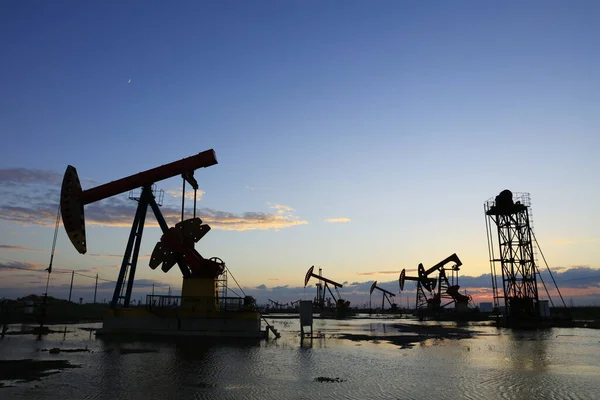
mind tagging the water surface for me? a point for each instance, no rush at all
(493, 364)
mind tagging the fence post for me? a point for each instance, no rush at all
(96, 289)
(71, 288)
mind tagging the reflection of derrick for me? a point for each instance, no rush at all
(447, 291)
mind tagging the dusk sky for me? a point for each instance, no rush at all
(362, 137)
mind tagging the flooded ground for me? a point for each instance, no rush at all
(368, 358)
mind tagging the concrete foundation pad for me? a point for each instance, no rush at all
(150, 325)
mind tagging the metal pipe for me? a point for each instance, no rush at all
(195, 191)
(182, 201)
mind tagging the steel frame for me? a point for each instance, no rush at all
(516, 259)
(130, 257)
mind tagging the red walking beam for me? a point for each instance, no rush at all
(72, 198)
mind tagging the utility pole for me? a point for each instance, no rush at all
(71, 288)
(96, 289)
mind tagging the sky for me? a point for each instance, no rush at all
(359, 137)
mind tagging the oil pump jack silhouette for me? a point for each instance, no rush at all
(447, 290)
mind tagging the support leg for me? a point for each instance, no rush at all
(146, 194)
(127, 255)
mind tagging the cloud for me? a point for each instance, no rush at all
(337, 220)
(261, 287)
(378, 273)
(281, 209)
(21, 265)
(148, 283)
(105, 255)
(189, 194)
(575, 277)
(38, 207)
(249, 220)
(10, 247)
(100, 269)
(26, 176)
(556, 269)
(140, 257)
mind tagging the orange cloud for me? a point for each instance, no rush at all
(10, 247)
(22, 265)
(118, 213)
(337, 220)
(281, 209)
(216, 219)
(378, 273)
(33, 207)
(189, 194)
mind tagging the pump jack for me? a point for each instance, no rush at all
(445, 289)
(386, 295)
(342, 307)
(176, 245)
(277, 305)
(204, 308)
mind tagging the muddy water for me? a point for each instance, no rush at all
(490, 364)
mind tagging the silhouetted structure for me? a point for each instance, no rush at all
(176, 245)
(202, 308)
(509, 213)
(386, 295)
(342, 307)
(447, 290)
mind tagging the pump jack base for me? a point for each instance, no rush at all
(139, 321)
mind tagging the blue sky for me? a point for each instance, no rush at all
(402, 117)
